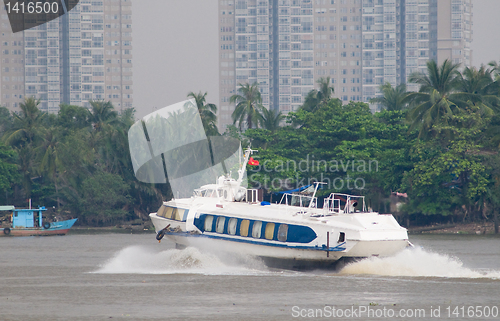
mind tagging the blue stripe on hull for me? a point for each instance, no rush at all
(338, 248)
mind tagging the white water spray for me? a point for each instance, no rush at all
(141, 260)
(417, 262)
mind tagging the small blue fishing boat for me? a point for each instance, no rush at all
(28, 222)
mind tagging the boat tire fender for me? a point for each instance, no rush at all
(46, 225)
(6, 231)
(160, 235)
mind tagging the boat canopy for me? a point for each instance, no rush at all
(300, 189)
(7, 207)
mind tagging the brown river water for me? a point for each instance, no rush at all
(133, 277)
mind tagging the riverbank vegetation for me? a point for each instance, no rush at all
(76, 163)
(428, 157)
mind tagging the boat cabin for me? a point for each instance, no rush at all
(27, 218)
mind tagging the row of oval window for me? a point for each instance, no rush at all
(256, 230)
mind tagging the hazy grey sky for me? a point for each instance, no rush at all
(175, 48)
(175, 51)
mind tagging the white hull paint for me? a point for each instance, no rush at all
(357, 249)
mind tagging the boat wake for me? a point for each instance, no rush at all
(141, 260)
(417, 262)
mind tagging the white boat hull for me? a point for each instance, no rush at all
(226, 216)
(319, 253)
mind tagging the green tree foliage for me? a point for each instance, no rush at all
(102, 114)
(104, 199)
(27, 124)
(449, 175)
(58, 157)
(480, 89)
(73, 117)
(9, 175)
(337, 144)
(23, 136)
(5, 120)
(50, 162)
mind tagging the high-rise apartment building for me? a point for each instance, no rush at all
(81, 56)
(379, 45)
(273, 47)
(287, 45)
(11, 64)
(454, 31)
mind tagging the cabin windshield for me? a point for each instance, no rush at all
(205, 192)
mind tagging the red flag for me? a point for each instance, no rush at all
(252, 161)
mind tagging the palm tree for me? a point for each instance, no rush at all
(73, 117)
(496, 68)
(393, 98)
(316, 98)
(5, 120)
(27, 124)
(248, 105)
(26, 164)
(481, 89)
(106, 138)
(311, 101)
(325, 91)
(437, 98)
(112, 143)
(24, 135)
(50, 162)
(208, 113)
(102, 114)
(271, 119)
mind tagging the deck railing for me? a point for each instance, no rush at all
(299, 200)
(333, 204)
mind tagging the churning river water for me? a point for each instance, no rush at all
(133, 277)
